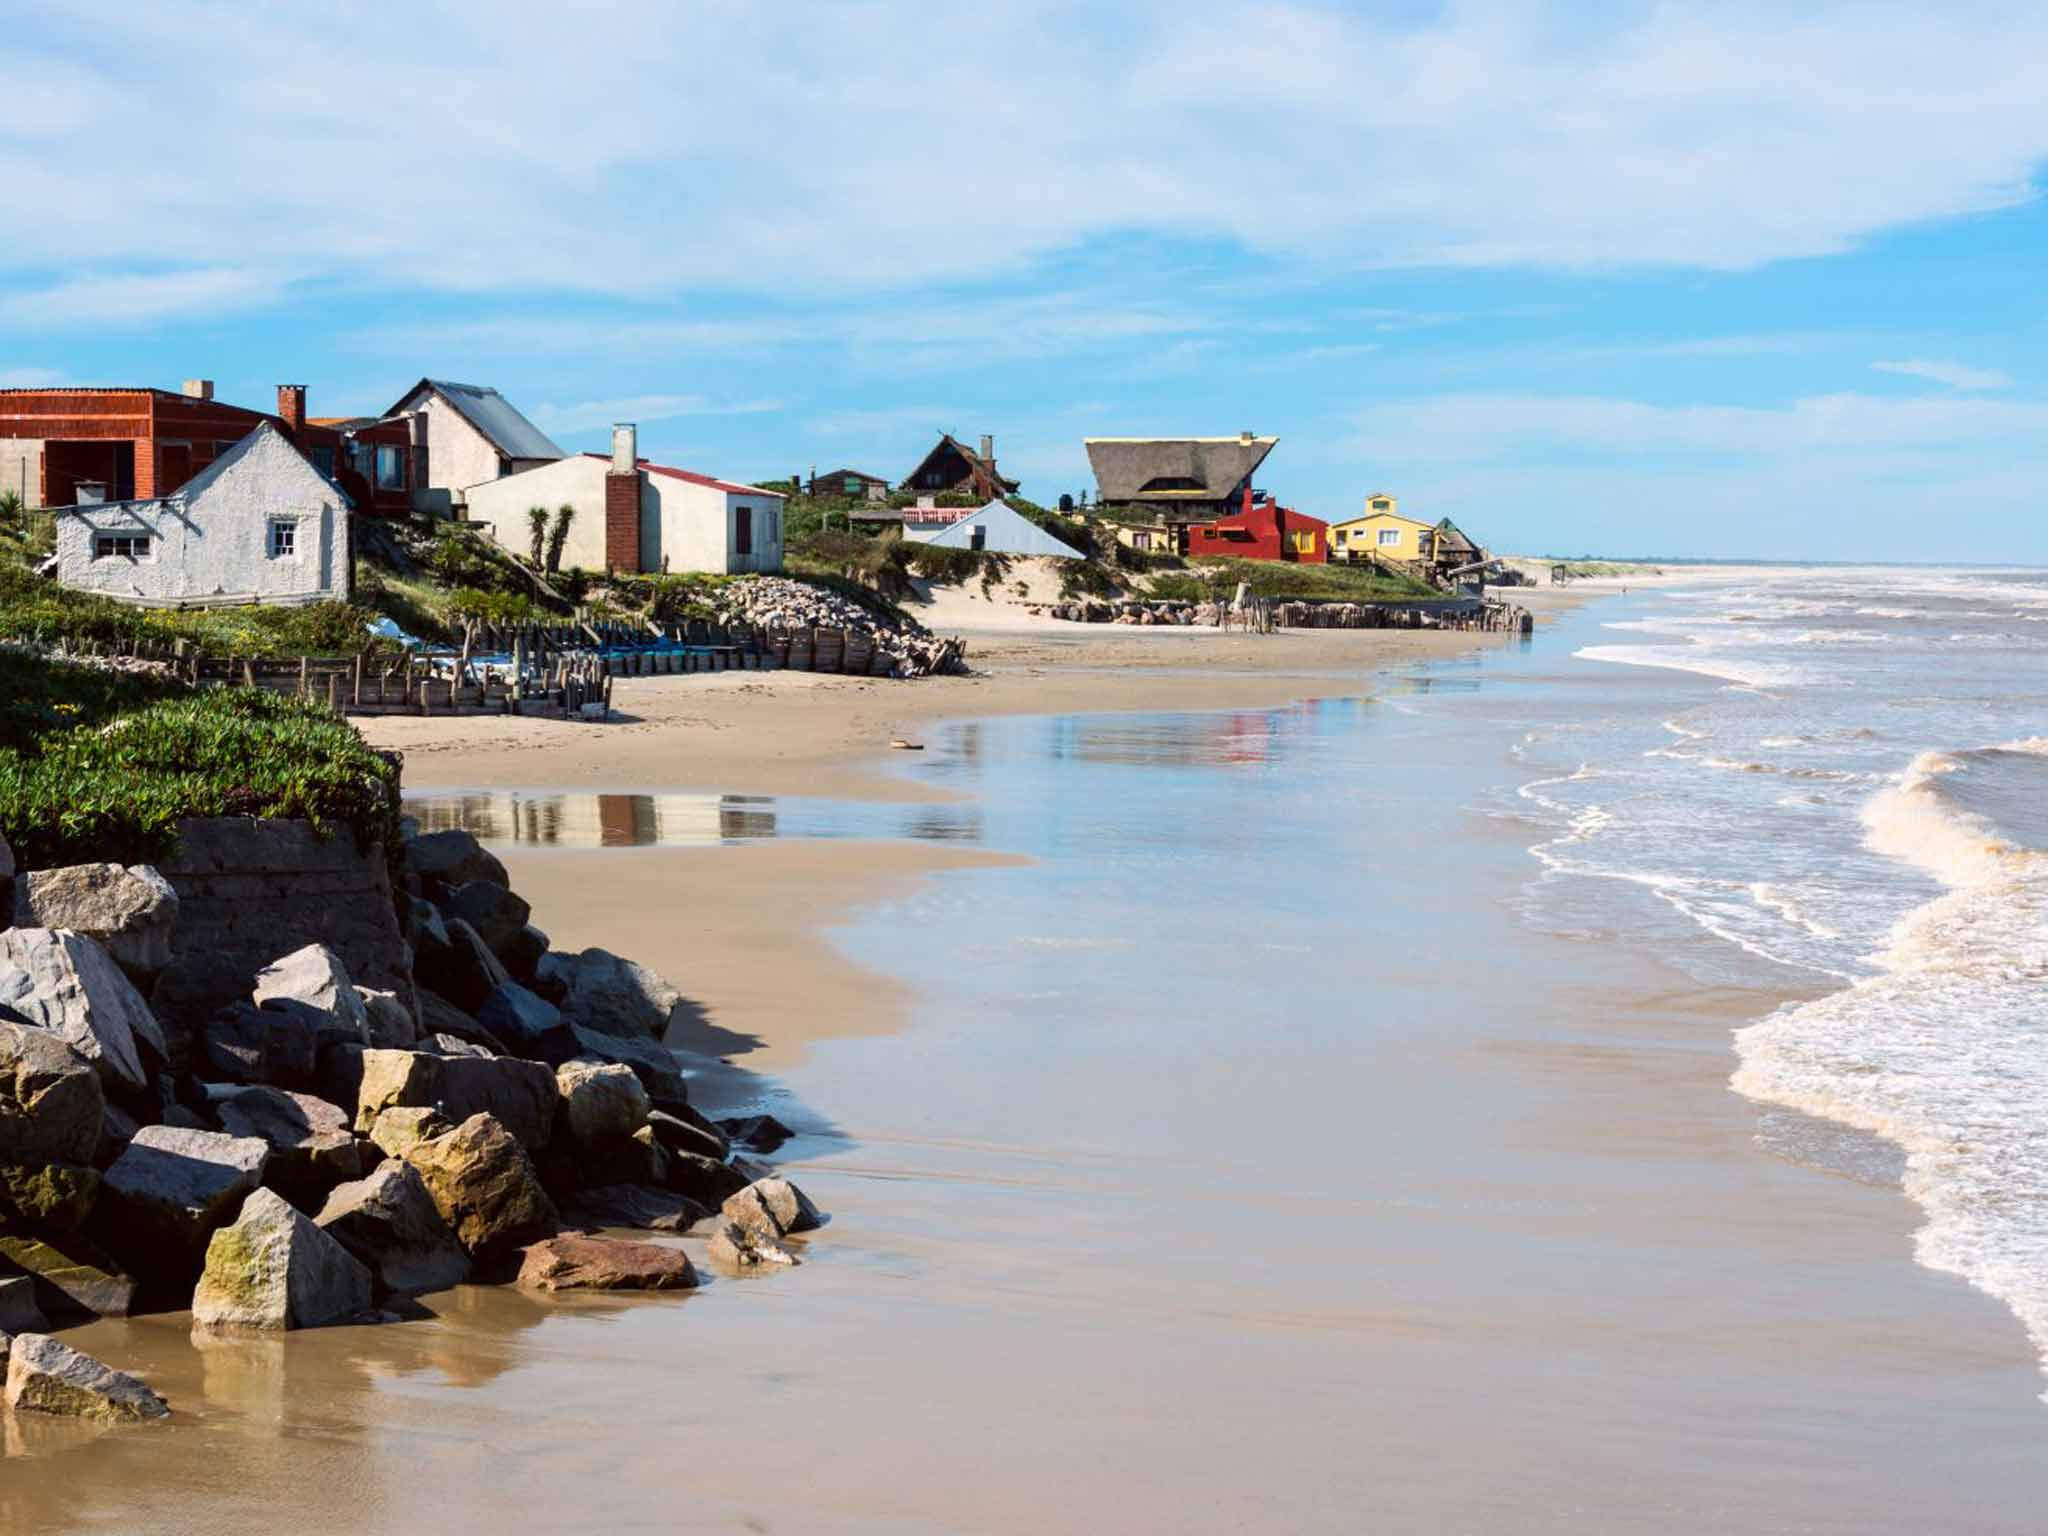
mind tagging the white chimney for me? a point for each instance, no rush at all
(988, 449)
(625, 448)
(1245, 438)
(199, 389)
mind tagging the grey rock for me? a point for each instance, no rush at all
(398, 1129)
(438, 1016)
(529, 1025)
(131, 913)
(451, 1045)
(69, 1275)
(452, 858)
(642, 1206)
(496, 913)
(49, 1197)
(273, 1269)
(243, 1043)
(313, 983)
(51, 1102)
(45, 1375)
(704, 1179)
(601, 1100)
(615, 996)
(757, 1133)
(520, 1095)
(169, 1192)
(522, 954)
(683, 1133)
(18, 1310)
(389, 1017)
(659, 1072)
(772, 1205)
(465, 972)
(311, 1146)
(65, 983)
(389, 1222)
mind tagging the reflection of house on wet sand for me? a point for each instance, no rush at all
(599, 821)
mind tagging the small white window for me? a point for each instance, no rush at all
(121, 546)
(284, 539)
(1390, 535)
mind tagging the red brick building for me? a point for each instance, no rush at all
(136, 443)
(1263, 530)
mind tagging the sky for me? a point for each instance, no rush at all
(1712, 280)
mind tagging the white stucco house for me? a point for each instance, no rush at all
(258, 523)
(631, 515)
(473, 435)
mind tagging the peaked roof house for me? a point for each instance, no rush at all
(953, 466)
(1187, 479)
(631, 515)
(473, 435)
(258, 524)
(850, 482)
(998, 529)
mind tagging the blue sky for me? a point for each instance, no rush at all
(1692, 280)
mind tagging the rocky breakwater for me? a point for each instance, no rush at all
(277, 1141)
(783, 608)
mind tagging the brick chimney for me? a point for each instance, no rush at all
(199, 389)
(622, 500)
(291, 405)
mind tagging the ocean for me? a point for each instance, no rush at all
(1859, 798)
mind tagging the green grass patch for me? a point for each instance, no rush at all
(1210, 580)
(95, 767)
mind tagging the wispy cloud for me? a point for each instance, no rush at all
(1955, 375)
(137, 298)
(29, 378)
(896, 419)
(642, 408)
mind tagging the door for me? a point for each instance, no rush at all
(743, 531)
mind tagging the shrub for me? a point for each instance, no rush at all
(537, 535)
(558, 535)
(943, 564)
(144, 755)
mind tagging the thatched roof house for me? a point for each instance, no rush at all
(1192, 478)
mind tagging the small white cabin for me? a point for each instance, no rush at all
(258, 524)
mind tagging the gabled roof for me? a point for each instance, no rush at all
(974, 462)
(1006, 532)
(491, 414)
(200, 483)
(730, 487)
(1175, 468)
(854, 474)
(1374, 517)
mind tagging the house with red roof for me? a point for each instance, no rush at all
(627, 514)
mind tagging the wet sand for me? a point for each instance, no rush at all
(1483, 1245)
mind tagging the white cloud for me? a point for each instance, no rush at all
(892, 422)
(642, 408)
(1472, 427)
(1954, 375)
(29, 378)
(511, 149)
(137, 298)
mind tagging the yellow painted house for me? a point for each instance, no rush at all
(1383, 531)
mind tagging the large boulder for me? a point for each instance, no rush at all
(49, 1197)
(529, 1025)
(65, 983)
(389, 1019)
(464, 970)
(601, 1100)
(520, 1095)
(611, 995)
(485, 1187)
(682, 1129)
(757, 1133)
(51, 1102)
(169, 1192)
(704, 1179)
(389, 1222)
(454, 857)
(131, 913)
(496, 913)
(313, 983)
(398, 1129)
(523, 954)
(572, 1263)
(70, 1277)
(652, 1062)
(273, 1269)
(18, 1310)
(742, 1247)
(45, 1375)
(275, 1043)
(311, 1146)
(438, 1016)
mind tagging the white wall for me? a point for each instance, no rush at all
(21, 468)
(693, 525)
(213, 539)
(698, 529)
(501, 505)
(457, 454)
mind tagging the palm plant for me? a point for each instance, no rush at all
(537, 531)
(559, 535)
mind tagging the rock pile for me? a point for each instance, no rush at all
(316, 1146)
(777, 604)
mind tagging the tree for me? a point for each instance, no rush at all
(559, 535)
(537, 529)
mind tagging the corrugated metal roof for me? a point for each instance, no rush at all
(1005, 532)
(494, 416)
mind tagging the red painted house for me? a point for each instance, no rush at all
(1262, 530)
(136, 443)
